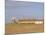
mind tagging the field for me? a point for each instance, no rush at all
(24, 28)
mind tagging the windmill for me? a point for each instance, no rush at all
(13, 19)
(33, 19)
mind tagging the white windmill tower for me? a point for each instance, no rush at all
(13, 19)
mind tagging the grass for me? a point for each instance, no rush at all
(21, 28)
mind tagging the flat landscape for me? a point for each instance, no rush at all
(24, 28)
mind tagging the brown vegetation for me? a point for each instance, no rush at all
(21, 28)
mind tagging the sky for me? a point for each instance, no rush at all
(24, 8)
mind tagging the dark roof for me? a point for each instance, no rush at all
(30, 20)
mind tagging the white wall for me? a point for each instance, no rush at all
(38, 22)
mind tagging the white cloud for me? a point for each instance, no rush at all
(29, 0)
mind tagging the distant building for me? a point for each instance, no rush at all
(27, 20)
(30, 21)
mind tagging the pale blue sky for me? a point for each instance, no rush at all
(20, 8)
